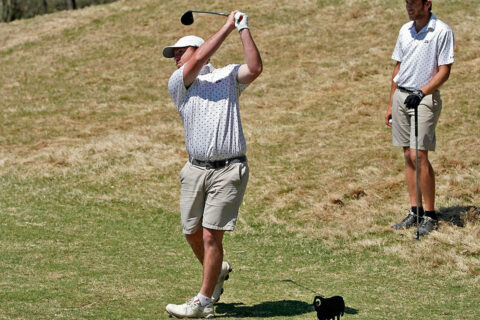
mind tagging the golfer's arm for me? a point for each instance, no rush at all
(440, 78)
(253, 67)
(394, 85)
(203, 53)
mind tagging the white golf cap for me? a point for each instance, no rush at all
(187, 41)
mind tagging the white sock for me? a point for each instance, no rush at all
(203, 300)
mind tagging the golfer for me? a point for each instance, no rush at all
(424, 56)
(214, 179)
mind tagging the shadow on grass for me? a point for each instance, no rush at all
(458, 215)
(267, 309)
(350, 310)
(263, 310)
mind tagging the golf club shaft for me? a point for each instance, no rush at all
(212, 12)
(416, 169)
(298, 285)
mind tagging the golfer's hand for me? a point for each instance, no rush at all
(241, 21)
(231, 20)
(388, 116)
(414, 99)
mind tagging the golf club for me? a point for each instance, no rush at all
(298, 285)
(417, 233)
(187, 17)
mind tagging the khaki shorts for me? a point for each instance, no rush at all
(210, 198)
(403, 125)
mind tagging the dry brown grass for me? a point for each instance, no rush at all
(87, 90)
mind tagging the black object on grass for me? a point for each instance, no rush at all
(329, 308)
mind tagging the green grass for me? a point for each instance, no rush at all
(91, 147)
(74, 255)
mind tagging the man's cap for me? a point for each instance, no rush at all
(187, 41)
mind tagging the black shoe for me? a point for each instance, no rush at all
(426, 226)
(409, 221)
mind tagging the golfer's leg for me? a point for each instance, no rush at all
(409, 155)
(426, 180)
(428, 114)
(212, 260)
(196, 243)
(192, 203)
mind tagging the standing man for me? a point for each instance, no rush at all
(215, 177)
(424, 55)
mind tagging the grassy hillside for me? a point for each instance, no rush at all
(91, 146)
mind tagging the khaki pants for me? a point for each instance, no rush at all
(403, 125)
(210, 198)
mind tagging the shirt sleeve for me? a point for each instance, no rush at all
(176, 87)
(397, 52)
(240, 86)
(446, 48)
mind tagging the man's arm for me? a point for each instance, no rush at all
(445, 57)
(414, 99)
(388, 115)
(205, 51)
(440, 78)
(253, 67)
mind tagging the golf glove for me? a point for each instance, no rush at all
(241, 21)
(414, 98)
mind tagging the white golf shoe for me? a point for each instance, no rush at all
(191, 309)
(224, 275)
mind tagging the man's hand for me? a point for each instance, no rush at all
(230, 23)
(388, 116)
(241, 21)
(414, 99)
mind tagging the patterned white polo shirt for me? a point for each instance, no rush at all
(210, 112)
(422, 53)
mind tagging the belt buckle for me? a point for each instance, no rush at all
(220, 164)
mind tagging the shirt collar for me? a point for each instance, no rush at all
(429, 27)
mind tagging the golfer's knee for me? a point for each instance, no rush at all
(195, 238)
(413, 159)
(212, 238)
(422, 158)
(409, 157)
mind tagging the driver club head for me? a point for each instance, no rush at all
(187, 18)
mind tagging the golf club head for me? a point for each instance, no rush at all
(187, 18)
(417, 236)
